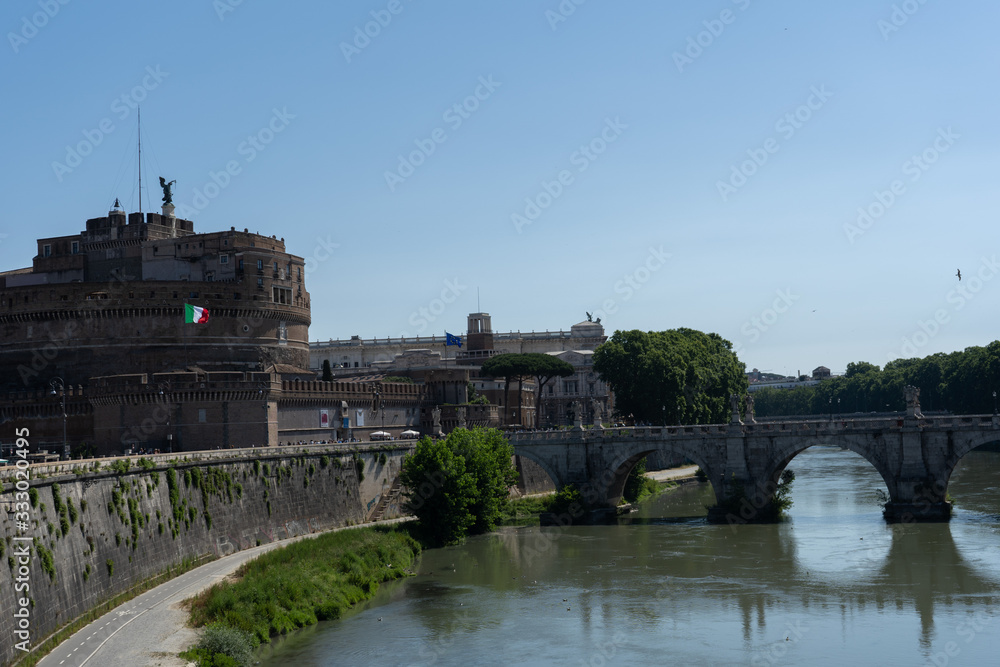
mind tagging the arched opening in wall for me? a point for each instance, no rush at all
(974, 485)
(669, 487)
(532, 478)
(833, 484)
(834, 528)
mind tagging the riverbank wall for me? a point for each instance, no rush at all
(96, 529)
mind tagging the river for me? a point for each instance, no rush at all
(832, 585)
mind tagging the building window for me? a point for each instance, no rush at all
(260, 282)
(223, 259)
(202, 416)
(75, 246)
(260, 265)
(46, 250)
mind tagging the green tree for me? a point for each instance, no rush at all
(681, 376)
(327, 371)
(460, 484)
(521, 366)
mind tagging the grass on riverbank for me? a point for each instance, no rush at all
(526, 511)
(308, 581)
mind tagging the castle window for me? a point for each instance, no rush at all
(46, 250)
(260, 265)
(223, 259)
(75, 247)
(202, 416)
(236, 295)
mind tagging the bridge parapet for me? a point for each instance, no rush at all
(914, 454)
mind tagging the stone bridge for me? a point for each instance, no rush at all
(915, 455)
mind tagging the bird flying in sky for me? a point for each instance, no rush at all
(959, 274)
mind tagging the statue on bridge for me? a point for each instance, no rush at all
(595, 405)
(748, 414)
(912, 401)
(461, 417)
(734, 403)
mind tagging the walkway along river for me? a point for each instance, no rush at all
(833, 585)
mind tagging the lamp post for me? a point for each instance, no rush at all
(163, 389)
(58, 382)
(994, 402)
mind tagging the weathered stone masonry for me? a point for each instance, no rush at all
(142, 523)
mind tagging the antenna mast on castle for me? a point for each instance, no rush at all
(139, 133)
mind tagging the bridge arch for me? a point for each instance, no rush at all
(870, 449)
(543, 463)
(623, 464)
(966, 443)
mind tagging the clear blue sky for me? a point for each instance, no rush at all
(650, 228)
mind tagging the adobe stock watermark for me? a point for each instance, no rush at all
(632, 282)
(787, 125)
(424, 316)
(714, 28)
(966, 290)
(758, 324)
(248, 149)
(322, 251)
(363, 35)
(562, 12)
(915, 167)
(121, 106)
(223, 7)
(967, 630)
(581, 158)
(899, 17)
(31, 25)
(773, 654)
(454, 116)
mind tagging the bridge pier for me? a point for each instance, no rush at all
(919, 512)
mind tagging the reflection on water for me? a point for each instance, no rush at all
(833, 584)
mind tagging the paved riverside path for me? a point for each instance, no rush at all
(672, 473)
(151, 629)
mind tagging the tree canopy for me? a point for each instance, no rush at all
(680, 376)
(459, 485)
(520, 366)
(960, 382)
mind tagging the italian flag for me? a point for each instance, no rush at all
(195, 314)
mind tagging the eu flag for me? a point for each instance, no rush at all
(452, 340)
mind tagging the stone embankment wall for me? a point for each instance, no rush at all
(98, 533)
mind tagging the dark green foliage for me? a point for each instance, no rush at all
(86, 572)
(308, 581)
(256, 468)
(474, 397)
(145, 464)
(680, 376)
(382, 458)
(73, 514)
(83, 505)
(638, 486)
(460, 484)
(398, 379)
(520, 366)
(223, 646)
(120, 466)
(359, 466)
(111, 567)
(45, 556)
(327, 371)
(324, 461)
(961, 382)
(33, 496)
(568, 502)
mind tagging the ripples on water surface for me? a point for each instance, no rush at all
(833, 585)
